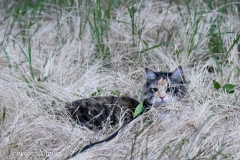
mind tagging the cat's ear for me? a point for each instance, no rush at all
(178, 72)
(150, 74)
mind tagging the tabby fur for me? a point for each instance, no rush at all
(160, 88)
(93, 112)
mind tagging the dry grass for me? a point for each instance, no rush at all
(203, 125)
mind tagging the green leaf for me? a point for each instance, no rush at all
(138, 109)
(216, 85)
(229, 88)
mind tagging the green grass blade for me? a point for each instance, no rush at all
(236, 40)
(153, 47)
(28, 57)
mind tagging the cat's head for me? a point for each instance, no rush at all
(161, 88)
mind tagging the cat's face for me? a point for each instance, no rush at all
(161, 88)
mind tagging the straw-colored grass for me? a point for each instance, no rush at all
(60, 66)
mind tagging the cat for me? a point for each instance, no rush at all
(159, 89)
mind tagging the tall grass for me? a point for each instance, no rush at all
(54, 52)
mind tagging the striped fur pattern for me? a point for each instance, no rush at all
(93, 112)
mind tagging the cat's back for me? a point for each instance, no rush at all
(93, 111)
(101, 102)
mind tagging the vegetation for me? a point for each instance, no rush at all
(54, 52)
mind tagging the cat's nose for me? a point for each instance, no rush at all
(162, 97)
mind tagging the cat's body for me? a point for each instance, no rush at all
(159, 89)
(93, 112)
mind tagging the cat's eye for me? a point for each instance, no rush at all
(154, 89)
